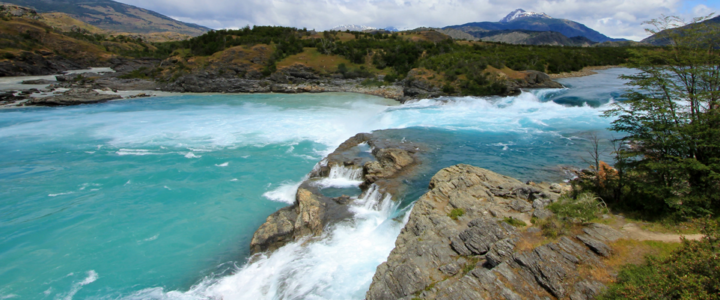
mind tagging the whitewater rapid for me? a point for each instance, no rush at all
(341, 263)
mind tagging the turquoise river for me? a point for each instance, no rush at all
(158, 198)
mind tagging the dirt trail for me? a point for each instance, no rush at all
(634, 232)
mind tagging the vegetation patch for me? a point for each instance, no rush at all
(514, 222)
(456, 213)
(583, 208)
(690, 272)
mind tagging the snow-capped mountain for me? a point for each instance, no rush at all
(353, 28)
(521, 13)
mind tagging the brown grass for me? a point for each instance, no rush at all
(324, 64)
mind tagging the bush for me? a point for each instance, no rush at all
(448, 89)
(456, 213)
(514, 222)
(690, 272)
(585, 207)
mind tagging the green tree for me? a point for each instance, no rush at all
(671, 120)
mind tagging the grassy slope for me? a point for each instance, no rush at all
(18, 35)
(65, 22)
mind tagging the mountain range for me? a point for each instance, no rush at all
(518, 27)
(114, 16)
(523, 22)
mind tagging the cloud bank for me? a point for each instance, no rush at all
(615, 18)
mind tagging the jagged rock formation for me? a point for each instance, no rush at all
(477, 255)
(312, 212)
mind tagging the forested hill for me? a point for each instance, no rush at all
(115, 16)
(473, 68)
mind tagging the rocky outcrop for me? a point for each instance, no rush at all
(419, 89)
(533, 80)
(28, 63)
(73, 97)
(104, 81)
(456, 246)
(277, 83)
(307, 216)
(123, 65)
(312, 212)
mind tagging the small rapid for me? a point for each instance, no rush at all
(338, 265)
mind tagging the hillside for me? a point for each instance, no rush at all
(43, 44)
(565, 27)
(115, 16)
(659, 39)
(527, 37)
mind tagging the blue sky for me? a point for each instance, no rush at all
(615, 18)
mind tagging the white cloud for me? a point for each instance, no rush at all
(615, 18)
(701, 10)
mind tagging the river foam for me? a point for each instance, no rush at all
(338, 265)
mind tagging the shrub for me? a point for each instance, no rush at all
(514, 222)
(456, 213)
(583, 208)
(448, 89)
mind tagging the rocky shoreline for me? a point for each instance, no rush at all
(478, 255)
(91, 87)
(457, 243)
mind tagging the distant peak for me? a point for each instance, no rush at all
(521, 13)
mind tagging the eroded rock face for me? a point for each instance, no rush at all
(475, 256)
(390, 161)
(312, 211)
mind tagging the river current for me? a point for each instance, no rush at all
(158, 198)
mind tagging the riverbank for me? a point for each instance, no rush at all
(89, 87)
(586, 71)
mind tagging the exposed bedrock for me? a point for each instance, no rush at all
(293, 79)
(476, 255)
(365, 158)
